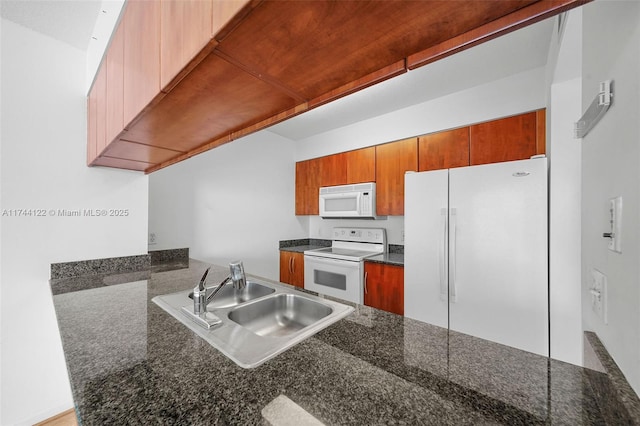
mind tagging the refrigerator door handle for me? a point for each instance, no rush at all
(453, 293)
(442, 255)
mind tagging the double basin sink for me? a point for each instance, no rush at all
(257, 323)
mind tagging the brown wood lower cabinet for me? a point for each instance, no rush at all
(384, 287)
(292, 268)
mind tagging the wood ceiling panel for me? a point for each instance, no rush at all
(215, 99)
(120, 163)
(314, 47)
(278, 58)
(139, 152)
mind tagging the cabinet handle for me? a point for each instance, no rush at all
(293, 264)
(365, 282)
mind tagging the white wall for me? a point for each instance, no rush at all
(564, 152)
(171, 208)
(197, 181)
(43, 161)
(508, 96)
(611, 168)
(235, 202)
(518, 93)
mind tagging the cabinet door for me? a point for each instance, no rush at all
(92, 134)
(333, 170)
(360, 165)
(297, 269)
(100, 89)
(506, 139)
(541, 131)
(307, 186)
(443, 150)
(186, 28)
(292, 268)
(114, 63)
(392, 161)
(223, 11)
(285, 267)
(384, 287)
(141, 23)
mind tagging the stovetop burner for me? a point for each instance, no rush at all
(353, 244)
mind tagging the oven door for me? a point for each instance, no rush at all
(334, 277)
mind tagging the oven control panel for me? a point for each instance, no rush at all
(362, 235)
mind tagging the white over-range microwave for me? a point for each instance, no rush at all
(349, 201)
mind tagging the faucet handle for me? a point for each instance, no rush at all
(201, 286)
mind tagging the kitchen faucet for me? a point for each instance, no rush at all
(200, 297)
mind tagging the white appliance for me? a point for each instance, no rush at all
(348, 201)
(338, 270)
(476, 251)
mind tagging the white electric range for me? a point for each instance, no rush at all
(338, 270)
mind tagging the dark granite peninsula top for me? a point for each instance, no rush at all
(130, 362)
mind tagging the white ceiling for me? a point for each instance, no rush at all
(70, 21)
(73, 22)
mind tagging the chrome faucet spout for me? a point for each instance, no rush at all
(237, 275)
(217, 289)
(203, 295)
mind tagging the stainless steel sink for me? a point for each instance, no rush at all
(269, 319)
(228, 296)
(280, 315)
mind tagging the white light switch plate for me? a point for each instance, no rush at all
(598, 291)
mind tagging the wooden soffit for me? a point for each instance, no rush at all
(277, 59)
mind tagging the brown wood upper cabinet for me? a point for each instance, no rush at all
(337, 169)
(154, 42)
(186, 28)
(114, 65)
(384, 287)
(443, 150)
(333, 170)
(360, 165)
(392, 161)
(92, 117)
(100, 90)
(141, 23)
(511, 138)
(308, 186)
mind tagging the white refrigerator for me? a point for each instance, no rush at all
(476, 251)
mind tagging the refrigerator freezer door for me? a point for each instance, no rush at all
(498, 261)
(425, 247)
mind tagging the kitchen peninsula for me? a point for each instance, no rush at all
(131, 362)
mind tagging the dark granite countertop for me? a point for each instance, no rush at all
(300, 245)
(388, 259)
(130, 362)
(301, 249)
